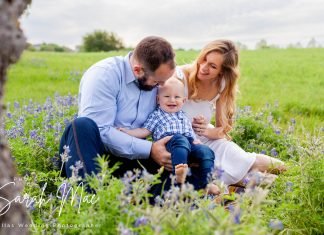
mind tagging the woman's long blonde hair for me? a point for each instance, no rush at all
(230, 73)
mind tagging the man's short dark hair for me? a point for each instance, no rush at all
(153, 51)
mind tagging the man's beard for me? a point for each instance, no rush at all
(142, 86)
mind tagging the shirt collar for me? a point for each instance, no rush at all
(130, 77)
(179, 114)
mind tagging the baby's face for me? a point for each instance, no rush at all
(171, 97)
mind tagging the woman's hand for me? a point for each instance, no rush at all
(199, 125)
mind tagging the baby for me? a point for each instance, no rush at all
(169, 120)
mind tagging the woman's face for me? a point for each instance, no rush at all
(210, 67)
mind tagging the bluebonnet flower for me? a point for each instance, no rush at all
(123, 230)
(66, 149)
(66, 122)
(245, 180)
(273, 152)
(24, 140)
(33, 134)
(56, 161)
(141, 221)
(236, 213)
(247, 109)
(9, 115)
(16, 104)
(69, 100)
(65, 189)
(20, 121)
(31, 206)
(289, 186)
(291, 129)
(217, 173)
(158, 201)
(276, 224)
(65, 156)
(38, 109)
(293, 121)
(263, 152)
(146, 176)
(277, 132)
(75, 169)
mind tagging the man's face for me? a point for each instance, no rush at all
(149, 79)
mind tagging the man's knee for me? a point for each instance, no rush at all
(85, 123)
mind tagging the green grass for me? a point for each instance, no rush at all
(292, 205)
(41, 74)
(292, 78)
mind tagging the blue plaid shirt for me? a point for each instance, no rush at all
(162, 124)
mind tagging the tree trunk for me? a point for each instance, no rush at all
(12, 43)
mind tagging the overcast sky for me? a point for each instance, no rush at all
(185, 23)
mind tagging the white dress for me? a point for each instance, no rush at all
(231, 159)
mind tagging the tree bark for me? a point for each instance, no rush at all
(12, 43)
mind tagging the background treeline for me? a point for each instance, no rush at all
(101, 40)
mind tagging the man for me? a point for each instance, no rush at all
(120, 92)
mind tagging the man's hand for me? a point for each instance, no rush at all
(160, 155)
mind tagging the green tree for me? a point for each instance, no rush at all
(262, 44)
(102, 41)
(312, 43)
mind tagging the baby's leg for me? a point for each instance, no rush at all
(181, 171)
(179, 148)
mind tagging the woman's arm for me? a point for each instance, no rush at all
(137, 132)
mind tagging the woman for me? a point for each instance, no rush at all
(211, 83)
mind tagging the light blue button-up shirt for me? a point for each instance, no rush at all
(109, 95)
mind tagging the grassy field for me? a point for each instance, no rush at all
(293, 79)
(280, 114)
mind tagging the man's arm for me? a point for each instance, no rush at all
(99, 90)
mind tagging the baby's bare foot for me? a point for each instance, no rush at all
(212, 189)
(181, 173)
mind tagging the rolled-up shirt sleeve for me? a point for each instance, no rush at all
(99, 91)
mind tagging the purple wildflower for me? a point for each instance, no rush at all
(289, 186)
(276, 224)
(141, 221)
(158, 201)
(273, 152)
(33, 134)
(236, 213)
(31, 206)
(65, 189)
(16, 104)
(123, 230)
(217, 173)
(9, 115)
